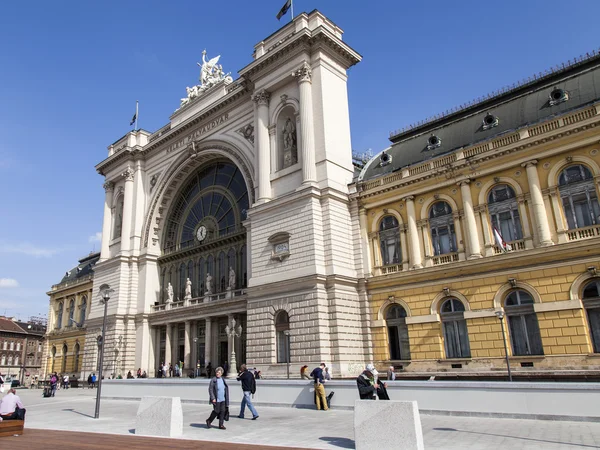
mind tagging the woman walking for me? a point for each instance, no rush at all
(218, 392)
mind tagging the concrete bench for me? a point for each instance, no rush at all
(159, 416)
(11, 427)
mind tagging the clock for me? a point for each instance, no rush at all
(201, 233)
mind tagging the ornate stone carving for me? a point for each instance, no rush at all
(109, 186)
(290, 149)
(208, 284)
(188, 290)
(231, 279)
(153, 181)
(170, 293)
(304, 73)
(262, 97)
(128, 174)
(211, 74)
(247, 132)
(533, 162)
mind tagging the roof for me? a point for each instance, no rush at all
(83, 269)
(521, 106)
(10, 326)
(36, 328)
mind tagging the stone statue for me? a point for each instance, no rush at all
(170, 293)
(188, 290)
(211, 74)
(208, 284)
(231, 279)
(290, 150)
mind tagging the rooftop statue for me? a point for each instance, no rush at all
(211, 74)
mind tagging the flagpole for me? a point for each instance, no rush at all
(136, 116)
(292, 5)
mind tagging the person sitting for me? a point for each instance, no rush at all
(144, 374)
(11, 407)
(303, 373)
(130, 375)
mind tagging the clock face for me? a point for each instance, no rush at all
(201, 233)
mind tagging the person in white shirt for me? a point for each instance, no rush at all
(11, 407)
(391, 374)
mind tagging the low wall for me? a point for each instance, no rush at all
(553, 401)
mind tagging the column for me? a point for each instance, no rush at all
(541, 230)
(413, 234)
(109, 187)
(423, 227)
(168, 358)
(561, 227)
(364, 241)
(151, 352)
(262, 142)
(309, 169)
(230, 342)
(208, 343)
(139, 204)
(525, 222)
(470, 222)
(127, 210)
(186, 346)
(487, 237)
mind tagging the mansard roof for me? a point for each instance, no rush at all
(521, 105)
(82, 270)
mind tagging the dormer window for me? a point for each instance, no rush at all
(385, 159)
(433, 142)
(490, 121)
(558, 96)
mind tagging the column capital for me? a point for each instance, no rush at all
(533, 162)
(463, 182)
(272, 129)
(409, 198)
(304, 73)
(128, 174)
(262, 98)
(109, 186)
(362, 211)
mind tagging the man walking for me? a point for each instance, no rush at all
(366, 383)
(317, 375)
(248, 388)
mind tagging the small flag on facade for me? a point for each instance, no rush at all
(501, 243)
(284, 10)
(133, 119)
(135, 116)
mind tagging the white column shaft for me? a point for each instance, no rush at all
(208, 342)
(364, 240)
(470, 222)
(186, 346)
(537, 204)
(106, 222)
(263, 150)
(127, 211)
(416, 259)
(309, 169)
(168, 358)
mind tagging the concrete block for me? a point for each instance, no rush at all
(387, 424)
(159, 416)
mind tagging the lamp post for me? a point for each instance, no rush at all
(196, 353)
(105, 292)
(287, 336)
(232, 332)
(500, 315)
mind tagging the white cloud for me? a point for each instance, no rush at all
(96, 237)
(8, 283)
(25, 248)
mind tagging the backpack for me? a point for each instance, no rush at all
(53, 379)
(253, 389)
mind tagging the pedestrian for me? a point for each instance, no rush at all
(319, 380)
(258, 375)
(89, 380)
(390, 374)
(11, 407)
(218, 392)
(165, 370)
(53, 383)
(367, 386)
(94, 379)
(139, 372)
(248, 388)
(303, 373)
(66, 381)
(326, 374)
(170, 369)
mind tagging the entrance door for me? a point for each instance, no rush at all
(222, 353)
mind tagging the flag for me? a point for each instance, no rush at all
(133, 119)
(500, 242)
(283, 10)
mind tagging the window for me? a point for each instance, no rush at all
(456, 337)
(282, 325)
(59, 315)
(591, 303)
(64, 359)
(16, 361)
(18, 346)
(10, 360)
(395, 318)
(182, 277)
(578, 195)
(3, 360)
(71, 312)
(12, 345)
(76, 358)
(389, 239)
(441, 225)
(118, 224)
(504, 213)
(4, 345)
(83, 310)
(221, 273)
(523, 324)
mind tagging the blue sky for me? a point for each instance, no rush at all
(71, 71)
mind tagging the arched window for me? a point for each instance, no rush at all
(10, 360)
(389, 240)
(76, 358)
(190, 274)
(282, 325)
(18, 346)
(12, 345)
(16, 361)
(3, 360)
(578, 194)
(221, 273)
(441, 226)
(201, 274)
(591, 303)
(83, 310)
(504, 212)
(118, 224)
(243, 270)
(71, 312)
(523, 324)
(182, 277)
(395, 318)
(456, 336)
(59, 315)
(64, 358)
(231, 262)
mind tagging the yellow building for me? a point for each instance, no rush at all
(70, 302)
(488, 218)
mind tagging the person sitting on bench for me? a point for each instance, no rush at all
(11, 407)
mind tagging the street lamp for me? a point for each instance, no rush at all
(287, 335)
(196, 363)
(105, 292)
(500, 314)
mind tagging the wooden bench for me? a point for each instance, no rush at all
(11, 427)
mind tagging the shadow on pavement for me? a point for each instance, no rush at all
(77, 412)
(339, 441)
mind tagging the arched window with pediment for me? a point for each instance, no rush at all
(504, 212)
(441, 226)
(456, 336)
(579, 197)
(523, 324)
(282, 328)
(591, 303)
(389, 241)
(399, 344)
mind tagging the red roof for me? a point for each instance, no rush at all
(10, 326)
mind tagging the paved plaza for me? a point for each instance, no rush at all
(73, 410)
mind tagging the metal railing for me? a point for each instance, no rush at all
(72, 282)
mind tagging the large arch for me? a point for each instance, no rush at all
(485, 189)
(573, 160)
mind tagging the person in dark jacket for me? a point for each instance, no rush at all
(248, 388)
(367, 387)
(218, 392)
(319, 380)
